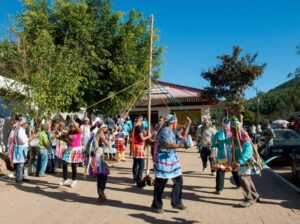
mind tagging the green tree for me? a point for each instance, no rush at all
(81, 49)
(49, 74)
(279, 102)
(114, 44)
(230, 78)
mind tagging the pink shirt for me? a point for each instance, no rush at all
(75, 140)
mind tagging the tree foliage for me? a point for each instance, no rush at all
(279, 102)
(71, 54)
(230, 78)
(49, 74)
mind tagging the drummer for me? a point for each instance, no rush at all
(19, 148)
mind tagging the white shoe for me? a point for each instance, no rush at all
(74, 182)
(63, 182)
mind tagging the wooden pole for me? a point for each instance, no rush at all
(149, 90)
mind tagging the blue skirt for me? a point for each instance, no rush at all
(167, 165)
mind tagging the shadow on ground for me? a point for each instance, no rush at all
(150, 219)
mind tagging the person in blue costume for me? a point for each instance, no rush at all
(247, 161)
(167, 165)
(223, 160)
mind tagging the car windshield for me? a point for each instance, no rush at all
(286, 135)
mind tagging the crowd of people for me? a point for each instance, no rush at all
(94, 146)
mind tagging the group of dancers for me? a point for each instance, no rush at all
(232, 146)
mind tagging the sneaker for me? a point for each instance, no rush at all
(44, 175)
(73, 184)
(180, 207)
(157, 210)
(258, 199)
(245, 204)
(63, 182)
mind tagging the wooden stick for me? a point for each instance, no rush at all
(149, 91)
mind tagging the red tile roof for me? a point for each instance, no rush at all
(172, 94)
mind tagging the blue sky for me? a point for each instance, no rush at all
(194, 32)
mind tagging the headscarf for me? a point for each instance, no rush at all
(103, 125)
(139, 120)
(170, 119)
(23, 120)
(97, 120)
(242, 137)
(226, 122)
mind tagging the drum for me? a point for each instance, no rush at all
(34, 142)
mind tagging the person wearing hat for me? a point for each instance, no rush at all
(137, 151)
(206, 136)
(223, 160)
(19, 148)
(96, 124)
(246, 160)
(269, 137)
(167, 165)
(97, 166)
(86, 133)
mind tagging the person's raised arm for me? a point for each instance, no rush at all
(102, 138)
(187, 128)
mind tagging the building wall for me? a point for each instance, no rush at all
(164, 111)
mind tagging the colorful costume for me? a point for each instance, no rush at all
(18, 149)
(61, 147)
(245, 156)
(223, 160)
(95, 163)
(167, 166)
(137, 146)
(167, 163)
(206, 143)
(137, 152)
(120, 145)
(74, 153)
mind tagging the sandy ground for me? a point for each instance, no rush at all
(42, 200)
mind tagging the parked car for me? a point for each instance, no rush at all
(286, 142)
(295, 163)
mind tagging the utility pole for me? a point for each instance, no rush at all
(257, 104)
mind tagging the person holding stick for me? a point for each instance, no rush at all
(167, 165)
(137, 151)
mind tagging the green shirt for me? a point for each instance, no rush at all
(44, 140)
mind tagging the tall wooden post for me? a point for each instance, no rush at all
(149, 90)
